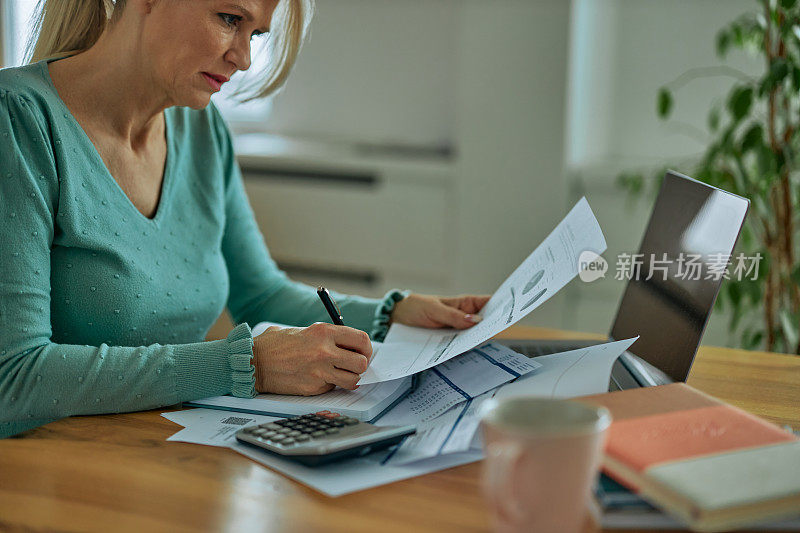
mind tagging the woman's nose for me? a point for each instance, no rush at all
(239, 54)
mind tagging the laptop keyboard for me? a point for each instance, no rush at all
(535, 350)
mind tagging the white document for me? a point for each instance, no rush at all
(452, 432)
(344, 477)
(552, 265)
(209, 427)
(212, 426)
(432, 397)
(186, 416)
(456, 381)
(462, 438)
(503, 356)
(364, 403)
(569, 374)
(429, 439)
(485, 367)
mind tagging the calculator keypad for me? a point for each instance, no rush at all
(301, 429)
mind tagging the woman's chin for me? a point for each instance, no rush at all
(197, 101)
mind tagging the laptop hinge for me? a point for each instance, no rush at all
(645, 374)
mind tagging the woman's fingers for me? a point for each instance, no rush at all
(353, 339)
(468, 304)
(453, 317)
(350, 361)
(478, 302)
(343, 378)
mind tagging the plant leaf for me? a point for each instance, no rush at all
(664, 103)
(739, 102)
(778, 71)
(750, 339)
(723, 42)
(788, 4)
(753, 139)
(734, 292)
(755, 340)
(713, 119)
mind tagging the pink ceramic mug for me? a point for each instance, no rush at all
(542, 456)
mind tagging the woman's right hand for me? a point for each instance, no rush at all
(309, 361)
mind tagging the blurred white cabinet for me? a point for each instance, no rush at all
(355, 222)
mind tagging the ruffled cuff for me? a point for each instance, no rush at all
(383, 314)
(216, 367)
(240, 346)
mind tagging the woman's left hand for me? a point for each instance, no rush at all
(436, 312)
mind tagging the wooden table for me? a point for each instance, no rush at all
(117, 472)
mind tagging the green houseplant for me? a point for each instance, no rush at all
(754, 151)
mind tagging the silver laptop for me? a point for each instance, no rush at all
(693, 224)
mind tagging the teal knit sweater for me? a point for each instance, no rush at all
(103, 310)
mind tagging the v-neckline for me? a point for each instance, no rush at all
(166, 180)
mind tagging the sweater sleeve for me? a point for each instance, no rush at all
(41, 380)
(259, 290)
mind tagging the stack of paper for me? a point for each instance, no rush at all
(457, 373)
(447, 440)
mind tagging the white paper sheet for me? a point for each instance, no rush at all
(364, 403)
(463, 437)
(452, 432)
(552, 265)
(502, 355)
(212, 426)
(432, 398)
(341, 478)
(186, 416)
(429, 439)
(485, 367)
(456, 381)
(570, 374)
(206, 426)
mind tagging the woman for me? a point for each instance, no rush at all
(126, 230)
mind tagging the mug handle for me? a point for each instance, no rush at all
(504, 460)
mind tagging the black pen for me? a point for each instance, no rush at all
(330, 306)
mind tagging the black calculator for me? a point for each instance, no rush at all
(322, 437)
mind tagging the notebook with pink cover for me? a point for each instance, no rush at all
(710, 463)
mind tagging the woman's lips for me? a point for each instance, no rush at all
(211, 81)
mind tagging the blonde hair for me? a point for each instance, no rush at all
(66, 27)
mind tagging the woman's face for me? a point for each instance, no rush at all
(190, 42)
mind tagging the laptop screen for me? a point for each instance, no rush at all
(675, 277)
